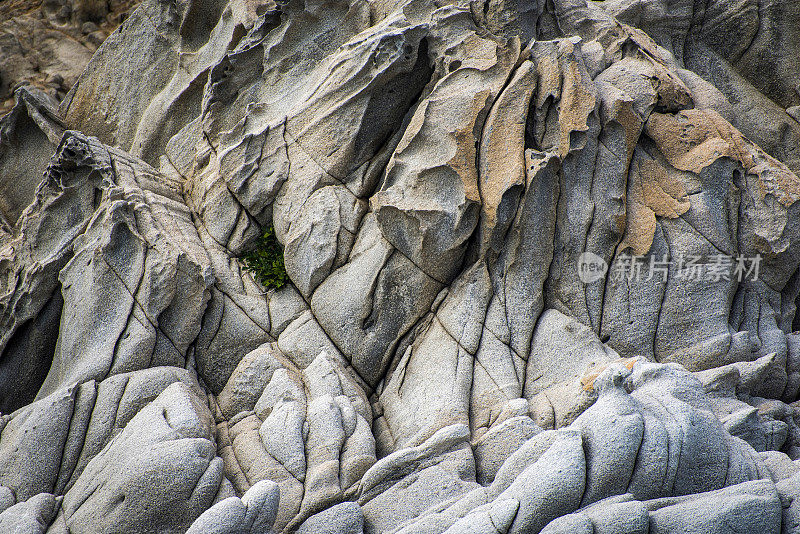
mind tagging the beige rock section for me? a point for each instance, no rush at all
(747, 51)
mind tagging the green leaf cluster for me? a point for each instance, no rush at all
(265, 261)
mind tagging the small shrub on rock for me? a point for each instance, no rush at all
(265, 261)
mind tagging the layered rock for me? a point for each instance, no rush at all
(441, 178)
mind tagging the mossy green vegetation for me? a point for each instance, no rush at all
(265, 261)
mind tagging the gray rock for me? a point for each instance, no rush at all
(246, 384)
(578, 345)
(7, 498)
(285, 305)
(749, 507)
(436, 389)
(407, 482)
(620, 517)
(790, 500)
(161, 469)
(226, 516)
(345, 518)
(572, 523)
(30, 135)
(366, 305)
(321, 236)
(614, 515)
(255, 512)
(219, 348)
(308, 433)
(32, 516)
(762, 435)
(32, 445)
(496, 518)
(612, 431)
(104, 228)
(303, 339)
(487, 211)
(547, 487)
(494, 447)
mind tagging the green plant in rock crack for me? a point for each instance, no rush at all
(265, 261)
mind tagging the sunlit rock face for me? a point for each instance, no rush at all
(543, 263)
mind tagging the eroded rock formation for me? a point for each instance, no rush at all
(439, 174)
(47, 43)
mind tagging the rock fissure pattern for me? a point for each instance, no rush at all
(438, 174)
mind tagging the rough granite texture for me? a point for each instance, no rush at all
(436, 171)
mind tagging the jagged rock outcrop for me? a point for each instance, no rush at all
(543, 267)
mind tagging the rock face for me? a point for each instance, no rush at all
(47, 43)
(543, 260)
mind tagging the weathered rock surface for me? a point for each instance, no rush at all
(543, 267)
(47, 43)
